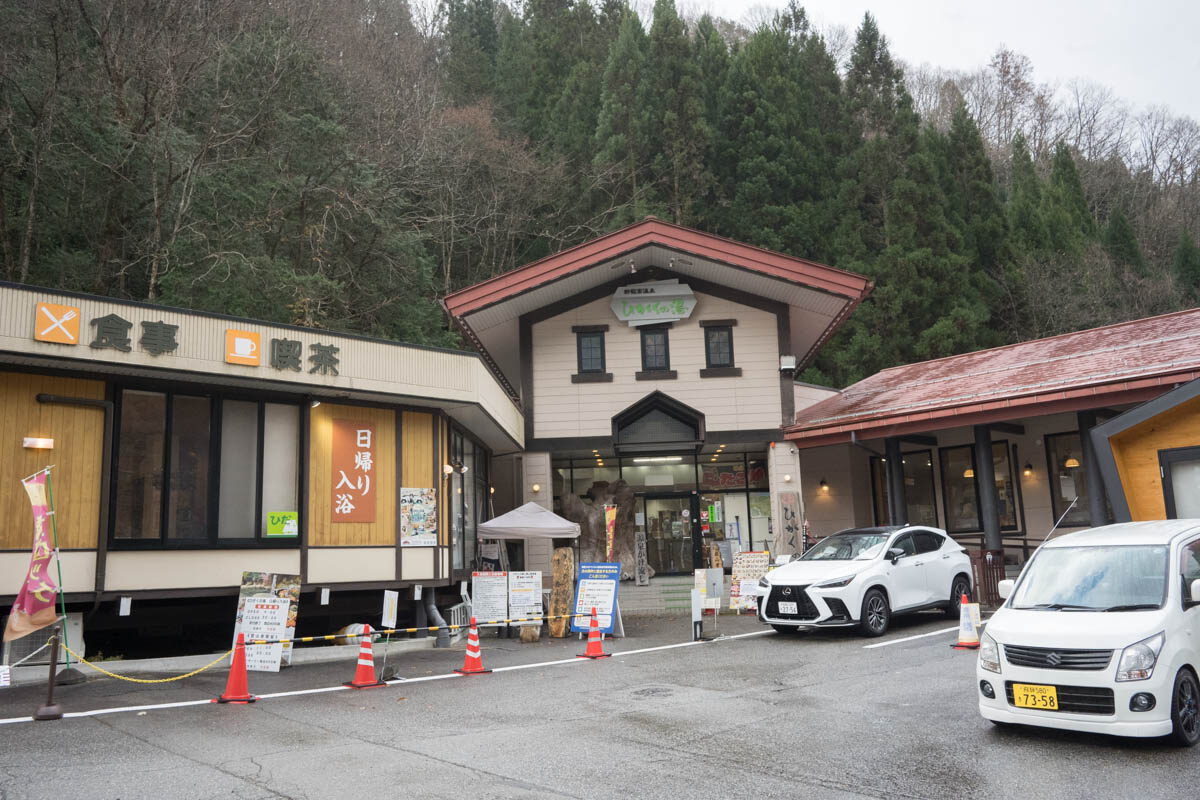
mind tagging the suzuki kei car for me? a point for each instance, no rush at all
(863, 576)
(1100, 633)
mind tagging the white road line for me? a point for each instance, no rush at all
(910, 638)
(396, 682)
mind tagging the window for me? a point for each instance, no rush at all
(960, 490)
(469, 497)
(1068, 479)
(928, 542)
(590, 347)
(919, 494)
(655, 355)
(1181, 481)
(1189, 568)
(906, 544)
(193, 470)
(718, 347)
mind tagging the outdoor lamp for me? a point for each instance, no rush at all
(537, 487)
(1072, 462)
(1028, 469)
(824, 486)
(446, 468)
(969, 472)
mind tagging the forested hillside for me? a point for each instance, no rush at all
(346, 163)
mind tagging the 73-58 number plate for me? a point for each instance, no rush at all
(1032, 695)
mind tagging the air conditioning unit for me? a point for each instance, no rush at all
(18, 649)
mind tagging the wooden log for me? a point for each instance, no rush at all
(530, 633)
(562, 592)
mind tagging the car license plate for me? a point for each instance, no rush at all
(1032, 695)
(788, 608)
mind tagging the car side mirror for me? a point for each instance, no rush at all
(895, 554)
(1196, 591)
(1005, 587)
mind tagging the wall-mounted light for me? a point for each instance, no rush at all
(787, 363)
(1028, 471)
(537, 487)
(446, 468)
(824, 486)
(787, 478)
(463, 469)
(38, 443)
(492, 490)
(969, 472)
(314, 403)
(1072, 462)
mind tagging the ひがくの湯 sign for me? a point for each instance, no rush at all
(653, 301)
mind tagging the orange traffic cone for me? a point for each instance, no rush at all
(968, 625)
(237, 689)
(595, 645)
(364, 675)
(473, 662)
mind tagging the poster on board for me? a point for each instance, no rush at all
(489, 596)
(418, 518)
(596, 588)
(525, 596)
(748, 567)
(272, 584)
(264, 617)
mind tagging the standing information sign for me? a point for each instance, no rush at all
(597, 588)
(284, 587)
(489, 596)
(391, 603)
(264, 617)
(525, 596)
(748, 567)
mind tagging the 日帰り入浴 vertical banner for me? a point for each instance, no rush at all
(353, 462)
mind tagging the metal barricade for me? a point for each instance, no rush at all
(460, 616)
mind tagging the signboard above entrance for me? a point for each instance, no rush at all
(653, 301)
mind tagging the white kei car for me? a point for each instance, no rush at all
(863, 576)
(1101, 633)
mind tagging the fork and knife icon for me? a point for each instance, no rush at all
(59, 323)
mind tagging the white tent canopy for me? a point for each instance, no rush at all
(530, 521)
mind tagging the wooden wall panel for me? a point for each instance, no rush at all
(1136, 454)
(321, 531)
(78, 435)
(417, 450)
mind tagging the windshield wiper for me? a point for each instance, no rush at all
(1133, 607)
(1062, 607)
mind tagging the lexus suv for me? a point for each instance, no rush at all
(863, 576)
(1100, 633)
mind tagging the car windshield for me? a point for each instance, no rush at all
(1115, 578)
(847, 547)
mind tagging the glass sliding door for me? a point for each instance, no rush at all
(669, 544)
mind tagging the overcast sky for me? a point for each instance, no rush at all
(1145, 51)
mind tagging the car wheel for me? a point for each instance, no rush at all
(1185, 709)
(876, 613)
(960, 587)
(786, 628)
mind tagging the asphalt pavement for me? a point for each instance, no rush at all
(756, 715)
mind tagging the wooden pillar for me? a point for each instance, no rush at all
(897, 505)
(985, 482)
(1097, 507)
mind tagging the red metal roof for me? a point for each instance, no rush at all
(651, 231)
(1122, 363)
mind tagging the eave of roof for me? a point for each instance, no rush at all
(1121, 363)
(650, 231)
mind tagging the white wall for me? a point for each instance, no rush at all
(562, 408)
(538, 552)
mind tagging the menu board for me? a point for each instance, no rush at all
(748, 567)
(264, 617)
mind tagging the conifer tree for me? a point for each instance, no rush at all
(1027, 228)
(674, 131)
(471, 40)
(618, 145)
(1121, 243)
(1069, 221)
(1186, 266)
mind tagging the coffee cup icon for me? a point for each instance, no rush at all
(244, 347)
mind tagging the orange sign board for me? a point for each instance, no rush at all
(243, 347)
(55, 323)
(353, 471)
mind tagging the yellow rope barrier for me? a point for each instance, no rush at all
(147, 680)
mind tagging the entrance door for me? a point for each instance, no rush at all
(670, 539)
(1181, 481)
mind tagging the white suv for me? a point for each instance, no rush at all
(1100, 633)
(862, 576)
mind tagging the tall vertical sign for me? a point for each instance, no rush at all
(610, 531)
(353, 471)
(34, 607)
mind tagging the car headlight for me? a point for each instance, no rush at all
(989, 654)
(1138, 660)
(835, 584)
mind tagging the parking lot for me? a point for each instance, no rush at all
(763, 715)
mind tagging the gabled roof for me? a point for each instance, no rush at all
(818, 297)
(1122, 363)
